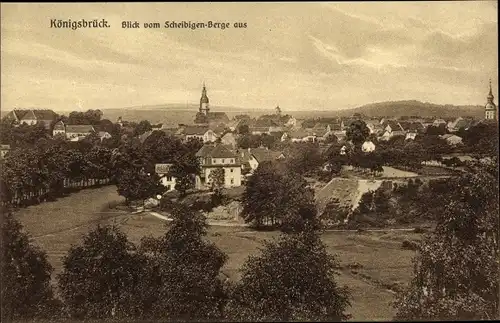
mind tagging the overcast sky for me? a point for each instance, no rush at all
(302, 56)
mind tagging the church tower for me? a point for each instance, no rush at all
(490, 109)
(204, 108)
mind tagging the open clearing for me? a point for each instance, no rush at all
(55, 226)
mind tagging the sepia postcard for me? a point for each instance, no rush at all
(245, 162)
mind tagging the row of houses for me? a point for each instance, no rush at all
(237, 164)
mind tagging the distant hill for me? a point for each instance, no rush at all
(415, 108)
(175, 113)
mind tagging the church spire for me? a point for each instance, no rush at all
(204, 108)
(490, 94)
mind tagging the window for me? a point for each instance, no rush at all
(231, 170)
(223, 161)
(169, 178)
(168, 187)
(232, 180)
(232, 161)
(214, 161)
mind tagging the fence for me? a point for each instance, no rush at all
(37, 196)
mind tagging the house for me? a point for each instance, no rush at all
(459, 123)
(218, 157)
(72, 131)
(166, 180)
(368, 146)
(391, 126)
(4, 150)
(248, 161)
(218, 129)
(413, 129)
(262, 154)
(452, 140)
(251, 158)
(229, 140)
(203, 133)
(374, 127)
(439, 122)
(299, 136)
(32, 116)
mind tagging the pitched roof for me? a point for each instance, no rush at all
(35, 114)
(462, 123)
(204, 151)
(45, 114)
(221, 151)
(29, 115)
(195, 130)
(394, 125)
(79, 128)
(144, 136)
(299, 134)
(414, 126)
(263, 154)
(217, 115)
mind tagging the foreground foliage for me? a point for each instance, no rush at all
(183, 271)
(101, 277)
(457, 268)
(25, 275)
(292, 280)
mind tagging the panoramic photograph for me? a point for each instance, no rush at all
(246, 162)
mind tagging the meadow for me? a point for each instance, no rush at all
(372, 264)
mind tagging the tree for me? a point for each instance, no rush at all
(183, 282)
(304, 158)
(292, 280)
(216, 178)
(275, 196)
(26, 292)
(142, 127)
(138, 185)
(243, 129)
(357, 133)
(456, 269)
(185, 168)
(99, 163)
(101, 276)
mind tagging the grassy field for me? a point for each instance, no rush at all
(379, 260)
